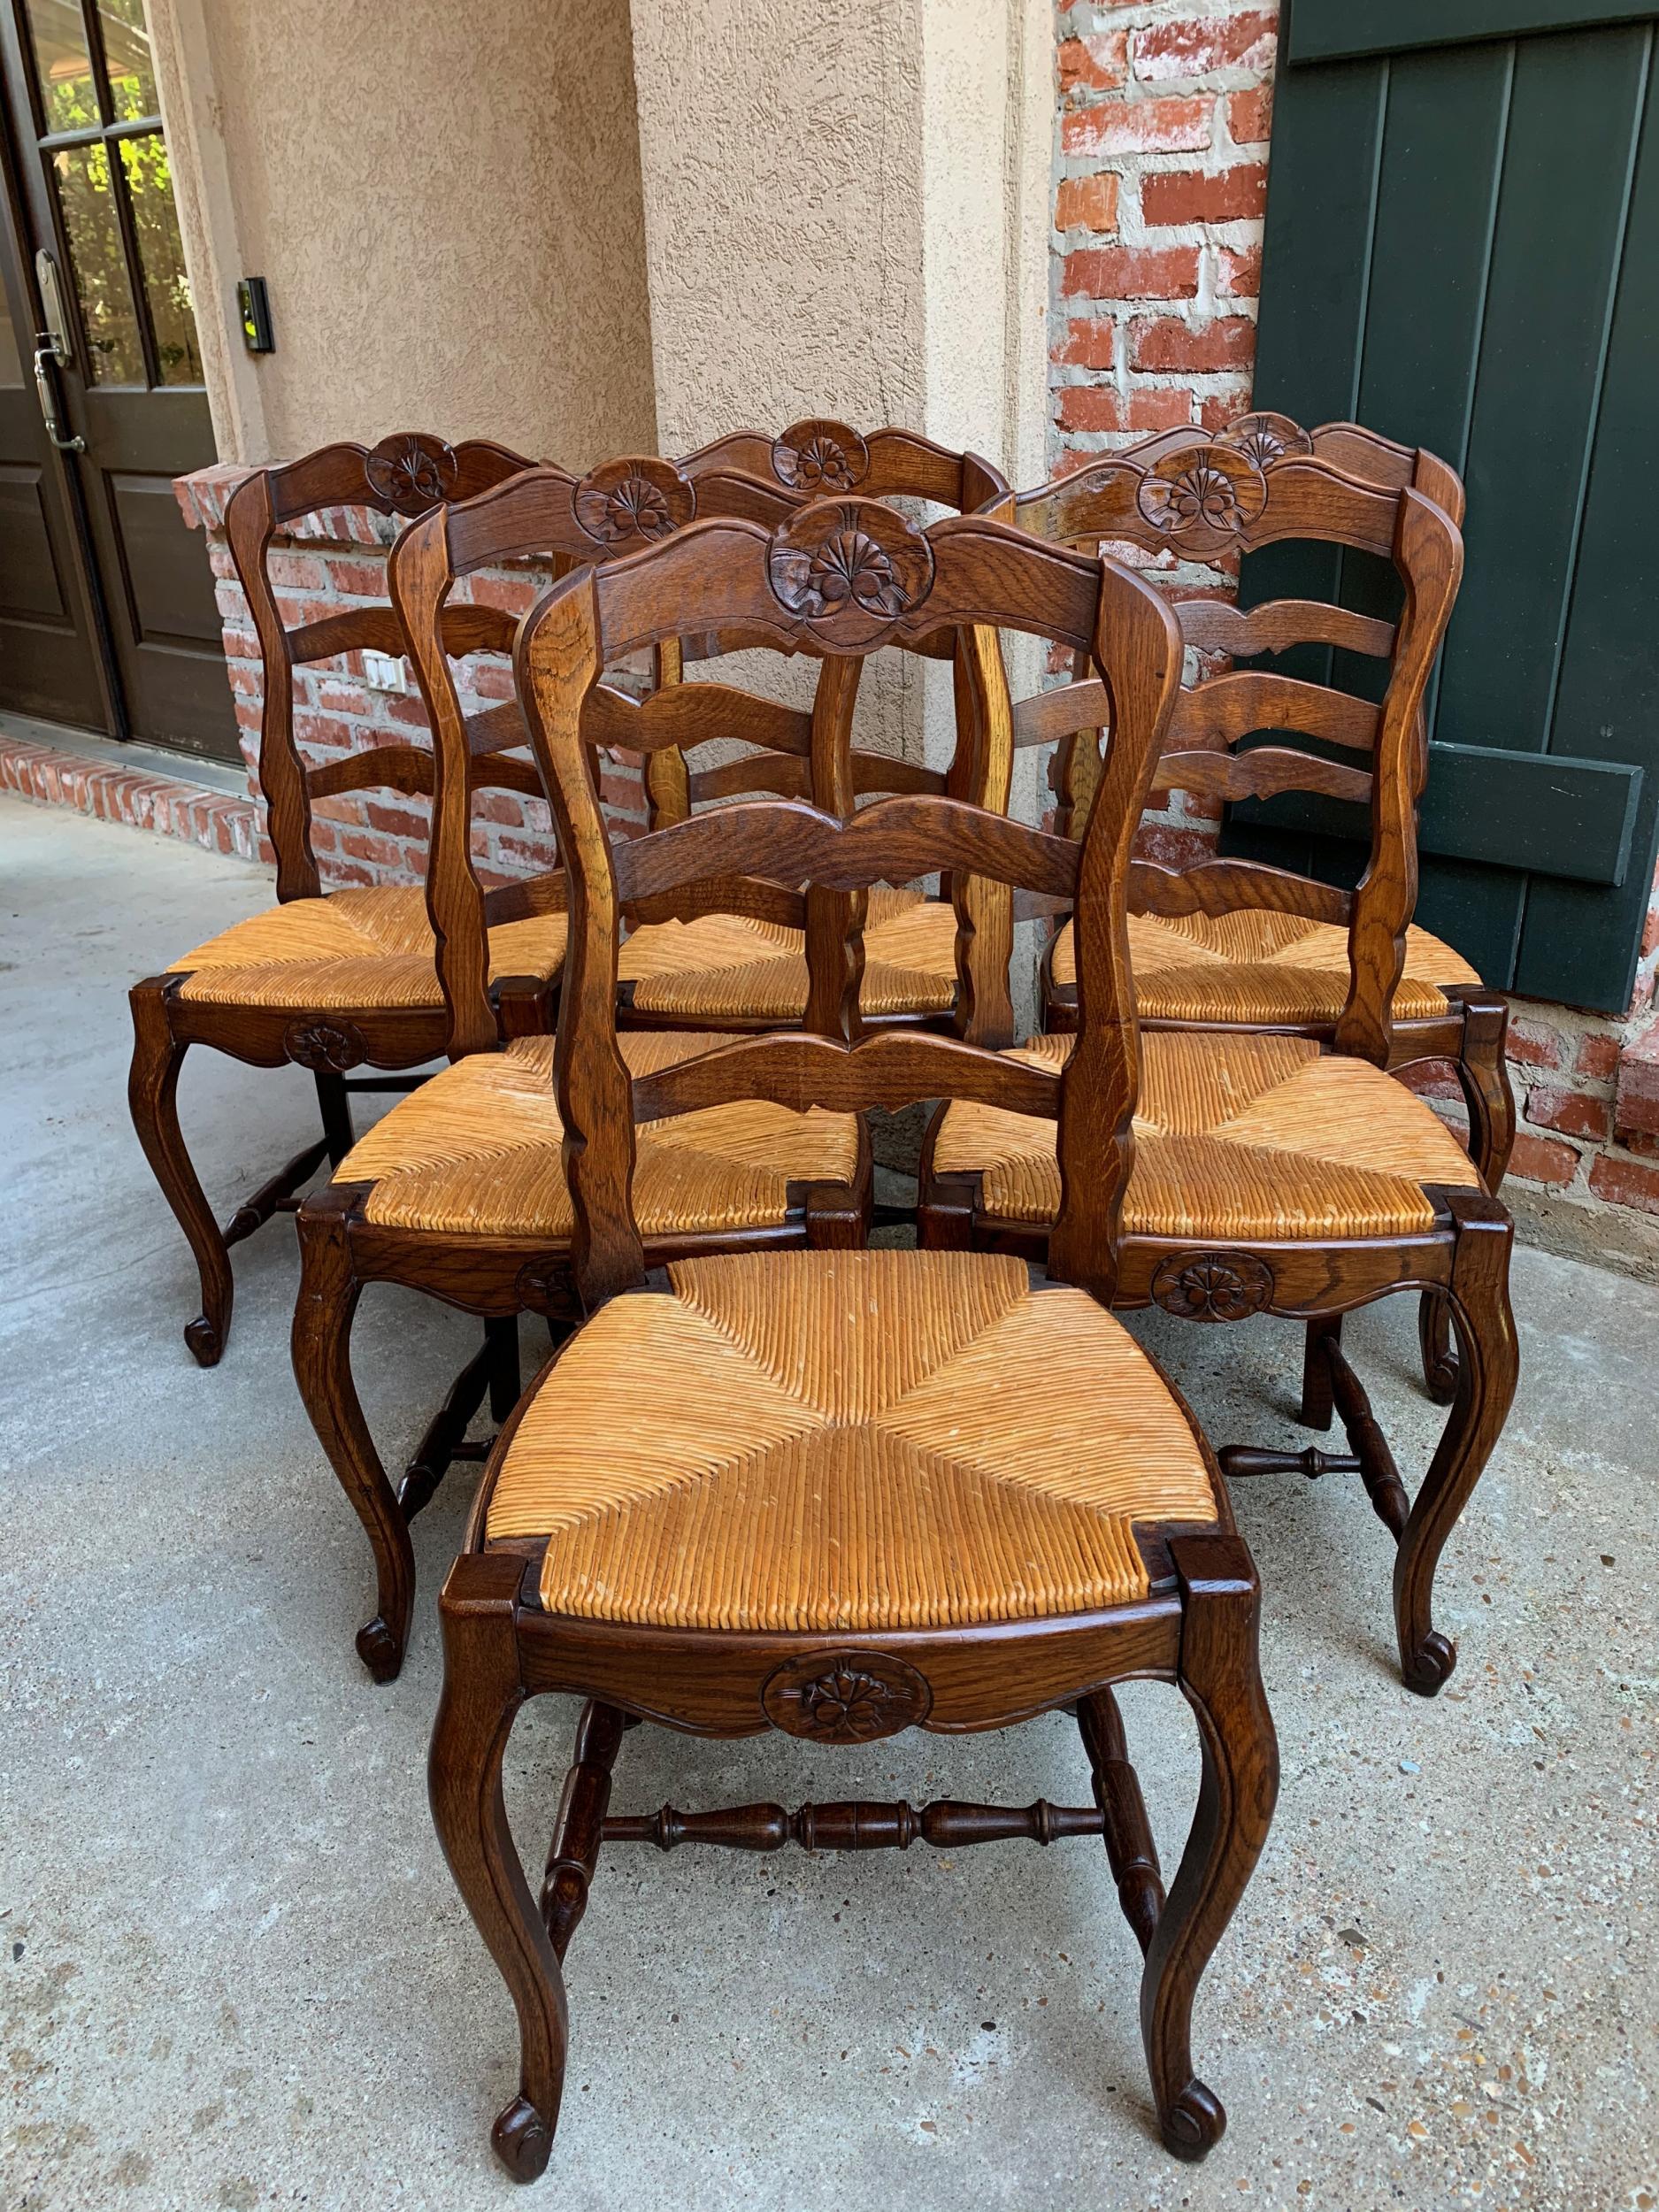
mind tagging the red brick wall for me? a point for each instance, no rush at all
(337, 560)
(1164, 125)
(1164, 111)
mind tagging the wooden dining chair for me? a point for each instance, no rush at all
(460, 1190)
(329, 980)
(843, 1494)
(1282, 1169)
(1252, 969)
(748, 969)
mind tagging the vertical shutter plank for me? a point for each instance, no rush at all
(1447, 118)
(1315, 281)
(1578, 944)
(1553, 270)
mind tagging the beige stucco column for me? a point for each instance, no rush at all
(444, 203)
(847, 214)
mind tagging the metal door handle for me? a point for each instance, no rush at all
(43, 353)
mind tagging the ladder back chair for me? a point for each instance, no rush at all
(844, 1493)
(746, 969)
(1208, 972)
(460, 1190)
(1232, 973)
(330, 980)
(1248, 969)
(1280, 1168)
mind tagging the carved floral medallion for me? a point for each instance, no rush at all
(1212, 1286)
(853, 568)
(1265, 437)
(850, 1697)
(1203, 495)
(622, 504)
(411, 473)
(327, 1047)
(820, 458)
(545, 1286)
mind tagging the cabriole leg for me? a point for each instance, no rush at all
(327, 1302)
(152, 1095)
(482, 1692)
(1220, 1674)
(1487, 1366)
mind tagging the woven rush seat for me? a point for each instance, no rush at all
(1258, 1138)
(725, 967)
(478, 1150)
(1256, 966)
(363, 949)
(855, 1441)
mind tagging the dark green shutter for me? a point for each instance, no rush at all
(1462, 252)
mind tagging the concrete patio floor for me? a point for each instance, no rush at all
(237, 1973)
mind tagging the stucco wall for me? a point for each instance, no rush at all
(445, 203)
(781, 152)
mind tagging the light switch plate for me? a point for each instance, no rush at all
(382, 673)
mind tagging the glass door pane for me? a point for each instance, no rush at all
(161, 257)
(127, 68)
(115, 353)
(62, 64)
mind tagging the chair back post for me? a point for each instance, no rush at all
(1138, 651)
(544, 511)
(250, 525)
(558, 663)
(1429, 557)
(983, 773)
(409, 474)
(422, 577)
(965, 573)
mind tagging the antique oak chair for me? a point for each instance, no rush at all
(746, 967)
(327, 980)
(842, 1493)
(459, 1190)
(1280, 1167)
(1258, 970)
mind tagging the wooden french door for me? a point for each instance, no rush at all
(107, 614)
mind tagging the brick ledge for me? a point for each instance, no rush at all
(166, 806)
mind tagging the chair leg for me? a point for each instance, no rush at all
(322, 1368)
(573, 1852)
(334, 1103)
(482, 1692)
(506, 1377)
(1487, 1366)
(1220, 1675)
(1317, 1402)
(1434, 1343)
(1130, 1849)
(152, 1087)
